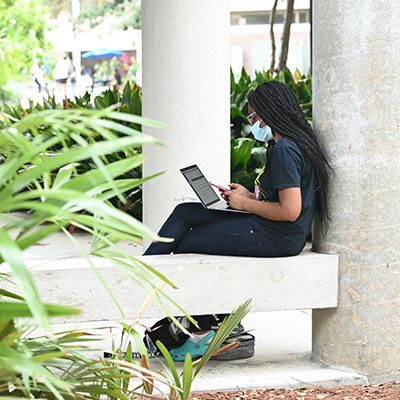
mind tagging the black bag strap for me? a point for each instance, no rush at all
(205, 321)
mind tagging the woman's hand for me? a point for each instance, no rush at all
(237, 196)
(236, 200)
(241, 190)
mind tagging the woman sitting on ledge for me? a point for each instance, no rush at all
(289, 190)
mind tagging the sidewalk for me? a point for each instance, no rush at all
(283, 339)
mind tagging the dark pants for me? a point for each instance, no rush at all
(198, 230)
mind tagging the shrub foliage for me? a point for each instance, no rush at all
(247, 155)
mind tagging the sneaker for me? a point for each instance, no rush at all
(196, 346)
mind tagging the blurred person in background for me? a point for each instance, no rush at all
(61, 73)
(38, 74)
(115, 78)
(72, 77)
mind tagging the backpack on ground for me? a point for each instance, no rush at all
(178, 343)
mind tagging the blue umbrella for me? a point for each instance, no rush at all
(102, 53)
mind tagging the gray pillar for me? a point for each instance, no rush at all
(185, 84)
(356, 109)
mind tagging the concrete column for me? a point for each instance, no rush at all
(356, 111)
(185, 84)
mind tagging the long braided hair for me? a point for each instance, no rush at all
(277, 105)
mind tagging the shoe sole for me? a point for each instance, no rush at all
(244, 350)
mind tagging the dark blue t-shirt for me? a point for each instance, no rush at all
(288, 166)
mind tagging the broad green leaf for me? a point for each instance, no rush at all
(137, 339)
(63, 176)
(136, 119)
(73, 155)
(43, 232)
(6, 293)
(233, 83)
(187, 376)
(223, 332)
(123, 185)
(170, 362)
(305, 95)
(128, 358)
(242, 151)
(8, 333)
(42, 358)
(13, 309)
(236, 112)
(12, 254)
(96, 271)
(76, 201)
(134, 261)
(92, 178)
(13, 361)
(259, 155)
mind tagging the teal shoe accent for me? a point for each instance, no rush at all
(195, 349)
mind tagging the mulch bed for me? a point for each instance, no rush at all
(387, 391)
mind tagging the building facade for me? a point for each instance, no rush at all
(251, 45)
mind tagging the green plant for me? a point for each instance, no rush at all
(35, 177)
(58, 366)
(126, 13)
(247, 155)
(131, 67)
(190, 368)
(127, 102)
(57, 195)
(22, 37)
(44, 181)
(103, 70)
(24, 361)
(179, 383)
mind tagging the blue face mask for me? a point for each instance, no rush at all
(263, 134)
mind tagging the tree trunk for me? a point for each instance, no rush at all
(272, 35)
(286, 35)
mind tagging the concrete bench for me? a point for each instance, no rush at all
(207, 284)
